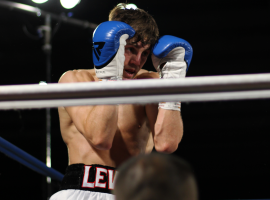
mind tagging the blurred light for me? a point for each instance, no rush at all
(68, 4)
(28, 8)
(128, 6)
(131, 6)
(48, 160)
(49, 180)
(70, 14)
(39, 1)
(42, 83)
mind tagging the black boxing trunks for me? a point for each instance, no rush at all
(88, 181)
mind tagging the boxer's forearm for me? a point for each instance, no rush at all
(171, 57)
(100, 126)
(109, 40)
(168, 130)
(97, 124)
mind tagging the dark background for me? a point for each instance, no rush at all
(225, 142)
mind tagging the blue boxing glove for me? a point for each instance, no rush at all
(109, 40)
(175, 53)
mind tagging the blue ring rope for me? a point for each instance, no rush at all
(29, 161)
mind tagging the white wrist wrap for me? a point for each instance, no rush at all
(114, 70)
(170, 105)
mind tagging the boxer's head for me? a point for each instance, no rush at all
(142, 22)
(139, 47)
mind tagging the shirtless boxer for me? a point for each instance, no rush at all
(99, 138)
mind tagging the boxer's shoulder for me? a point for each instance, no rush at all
(145, 74)
(78, 75)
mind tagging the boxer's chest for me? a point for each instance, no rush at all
(131, 117)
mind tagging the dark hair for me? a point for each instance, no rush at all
(155, 177)
(143, 23)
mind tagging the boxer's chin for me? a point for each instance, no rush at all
(128, 75)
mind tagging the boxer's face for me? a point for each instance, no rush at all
(136, 55)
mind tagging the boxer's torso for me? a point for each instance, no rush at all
(133, 136)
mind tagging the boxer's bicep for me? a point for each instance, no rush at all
(78, 114)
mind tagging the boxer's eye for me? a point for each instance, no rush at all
(132, 50)
(146, 53)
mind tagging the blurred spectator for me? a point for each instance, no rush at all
(155, 177)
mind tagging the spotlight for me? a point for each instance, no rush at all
(68, 4)
(39, 1)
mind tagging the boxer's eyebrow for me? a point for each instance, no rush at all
(133, 43)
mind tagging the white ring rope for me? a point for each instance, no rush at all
(189, 89)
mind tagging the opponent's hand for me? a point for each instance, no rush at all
(175, 53)
(109, 40)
